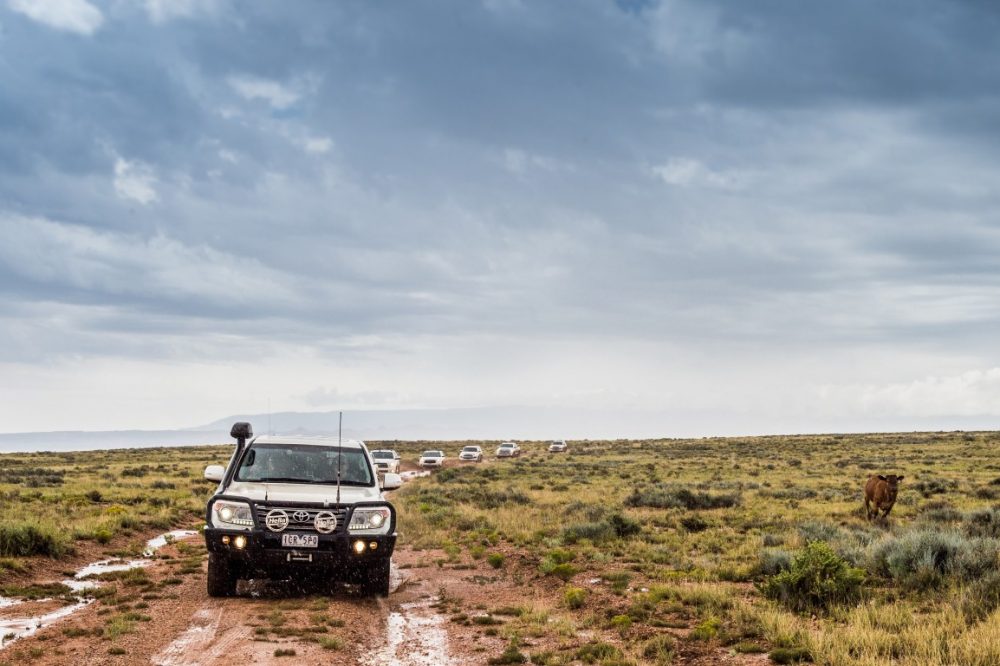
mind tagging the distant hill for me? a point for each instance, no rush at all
(113, 439)
(518, 422)
(481, 423)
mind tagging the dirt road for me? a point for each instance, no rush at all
(164, 617)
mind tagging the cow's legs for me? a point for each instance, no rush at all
(868, 510)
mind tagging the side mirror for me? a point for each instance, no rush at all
(215, 472)
(391, 481)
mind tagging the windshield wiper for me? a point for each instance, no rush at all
(345, 482)
(283, 479)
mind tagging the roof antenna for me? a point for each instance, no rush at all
(340, 452)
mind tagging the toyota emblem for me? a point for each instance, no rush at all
(301, 516)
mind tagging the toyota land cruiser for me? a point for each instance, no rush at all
(299, 507)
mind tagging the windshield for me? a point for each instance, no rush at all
(382, 454)
(432, 454)
(506, 446)
(302, 463)
(471, 449)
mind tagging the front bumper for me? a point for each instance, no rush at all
(263, 553)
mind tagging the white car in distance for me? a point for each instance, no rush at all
(386, 460)
(473, 453)
(558, 446)
(508, 450)
(431, 459)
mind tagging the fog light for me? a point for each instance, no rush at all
(359, 547)
(240, 541)
(225, 540)
(373, 545)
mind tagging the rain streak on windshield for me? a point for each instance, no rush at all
(297, 463)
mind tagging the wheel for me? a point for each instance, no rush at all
(222, 576)
(375, 579)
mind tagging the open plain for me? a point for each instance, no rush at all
(704, 551)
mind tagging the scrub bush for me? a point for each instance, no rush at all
(818, 579)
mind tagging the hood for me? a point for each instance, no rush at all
(302, 492)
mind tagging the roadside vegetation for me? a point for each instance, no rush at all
(52, 502)
(628, 552)
(674, 550)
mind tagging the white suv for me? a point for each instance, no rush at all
(292, 507)
(386, 460)
(473, 453)
(508, 450)
(431, 459)
(558, 446)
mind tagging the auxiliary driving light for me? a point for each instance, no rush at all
(359, 546)
(240, 541)
(373, 545)
(225, 539)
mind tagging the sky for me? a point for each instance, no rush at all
(777, 216)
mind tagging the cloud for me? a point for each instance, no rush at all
(685, 172)
(77, 16)
(520, 162)
(161, 11)
(703, 181)
(971, 393)
(318, 145)
(135, 181)
(254, 88)
(158, 272)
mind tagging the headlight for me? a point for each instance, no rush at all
(374, 519)
(231, 515)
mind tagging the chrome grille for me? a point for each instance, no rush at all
(304, 519)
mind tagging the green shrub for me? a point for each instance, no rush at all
(623, 526)
(814, 530)
(773, 561)
(926, 558)
(622, 623)
(748, 647)
(510, 656)
(563, 571)
(928, 487)
(706, 630)
(495, 560)
(670, 496)
(792, 655)
(23, 540)
(561, 555)
(982, 597)
(694, 524)
(817, 579)
(596, 532)
(574, 597)
(331, 643)
(593, 653)
(659, 650)
(982, 523)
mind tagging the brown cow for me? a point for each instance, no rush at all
(880, 491)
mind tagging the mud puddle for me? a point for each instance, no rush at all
(415, 636)
(406, 476)
(11, 629)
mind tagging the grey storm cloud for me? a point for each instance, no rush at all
(697, 169)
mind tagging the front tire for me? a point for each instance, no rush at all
(222, 576)
(375, 579)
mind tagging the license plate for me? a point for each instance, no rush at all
(300, 540)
